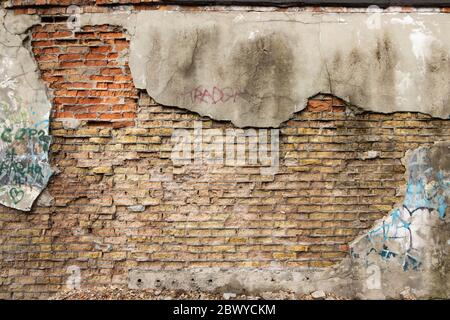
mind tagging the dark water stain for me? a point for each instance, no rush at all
(264, 71)
(440, 157)
(156, 55)
(438, 61)
(203, 43)
(387, 58)
(191, 50)
(437, 70)
(359, 72)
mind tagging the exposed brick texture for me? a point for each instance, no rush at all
(87, 72)
(323, 196)
(121, 203)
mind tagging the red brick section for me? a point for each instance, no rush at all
(87, 73)
(325, 103)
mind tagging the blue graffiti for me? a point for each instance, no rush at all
(45, 124)
(419, 197)
(386, 253)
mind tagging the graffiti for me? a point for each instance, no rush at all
(24, 121)
(396, 227)
(213, 95)
(24, 165)
(16, 195)
(401, 236)
(7, 135)
(20, 170)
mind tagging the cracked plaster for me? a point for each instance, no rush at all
(24, 116)
(257, 69)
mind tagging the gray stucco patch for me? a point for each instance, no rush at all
(24, 117)
(258, 68)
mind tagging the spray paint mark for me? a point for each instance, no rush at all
(427, 193)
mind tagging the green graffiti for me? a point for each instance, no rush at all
(8, 135)
(14, 170)
(16, 195)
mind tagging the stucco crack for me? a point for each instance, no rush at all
(325, 62)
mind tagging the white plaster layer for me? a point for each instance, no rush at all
(24, 116)
(258, 68)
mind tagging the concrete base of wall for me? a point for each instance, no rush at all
(239, 280)
(347, 280)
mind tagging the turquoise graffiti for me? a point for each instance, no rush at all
(427, 193)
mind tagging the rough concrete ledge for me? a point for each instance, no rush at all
(239, 280)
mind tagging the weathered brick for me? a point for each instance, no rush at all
(305, 215)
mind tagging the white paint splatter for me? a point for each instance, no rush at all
(403, 82)
(252, 35)
(408, 20)
(420, 43)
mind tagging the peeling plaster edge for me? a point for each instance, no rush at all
(129, 21)
(20, 23)
(405, 160)
(18, 30)
(350, 109)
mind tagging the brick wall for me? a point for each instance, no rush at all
(119, 202)
(109, 213)
(87, 73)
